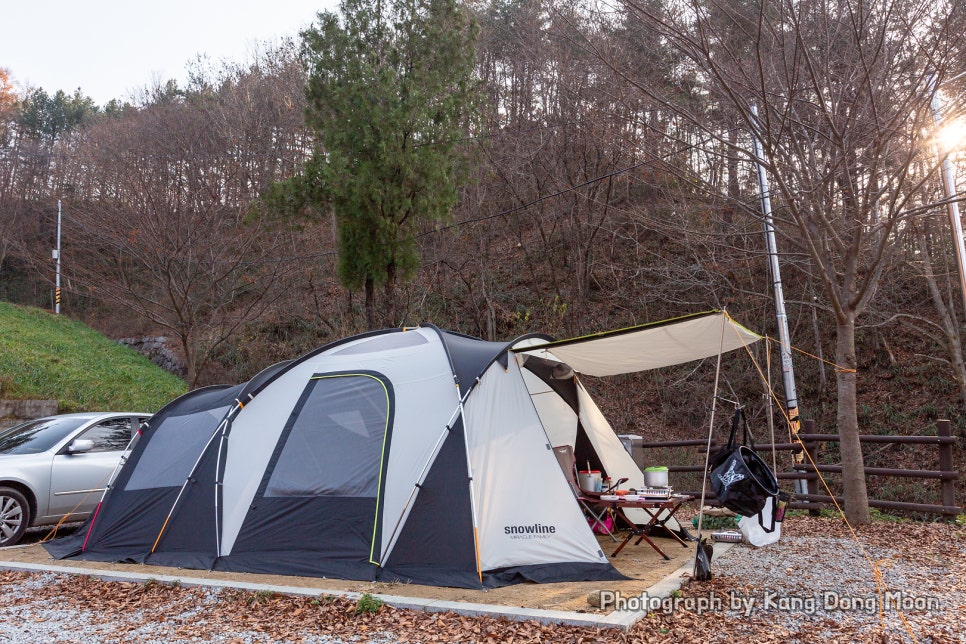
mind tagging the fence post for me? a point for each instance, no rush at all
(948, 486)
(811, 456)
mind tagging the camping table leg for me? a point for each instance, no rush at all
(652, 544)
(630, 534)
(662, 522)
(639, 532)
(636, 531)
(650, 524)
(658, 506)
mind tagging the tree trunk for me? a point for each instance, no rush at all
(853, 466)
(959, 364)
(370, 304)
(391, 306)
(190, 360)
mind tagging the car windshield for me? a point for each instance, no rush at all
(36, 436)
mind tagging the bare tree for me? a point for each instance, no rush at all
(842, 96)
(927, 261)
(159, 222)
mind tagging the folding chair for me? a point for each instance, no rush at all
(568, 463)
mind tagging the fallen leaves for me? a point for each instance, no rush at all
(199, 614)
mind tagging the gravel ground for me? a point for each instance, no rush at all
(822, 585)
(817, 584)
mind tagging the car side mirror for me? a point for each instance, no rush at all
(80, 446)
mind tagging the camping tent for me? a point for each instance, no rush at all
(406, 454)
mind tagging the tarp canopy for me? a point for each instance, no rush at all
(647, 346)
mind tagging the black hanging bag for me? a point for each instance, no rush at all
(742, 481)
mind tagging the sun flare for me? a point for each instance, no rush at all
(951, 136)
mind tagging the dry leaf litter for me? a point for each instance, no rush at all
(816, 585)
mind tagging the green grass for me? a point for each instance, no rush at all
(368, 604)
(43, 356)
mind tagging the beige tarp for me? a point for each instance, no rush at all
(649, 346)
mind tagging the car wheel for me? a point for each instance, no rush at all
(14, 516)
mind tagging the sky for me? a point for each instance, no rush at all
(112, 48)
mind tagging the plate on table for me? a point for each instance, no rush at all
(609, 497)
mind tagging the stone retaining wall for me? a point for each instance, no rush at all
(155, 349)
(15, 411)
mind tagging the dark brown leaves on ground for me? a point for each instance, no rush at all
(189, 613)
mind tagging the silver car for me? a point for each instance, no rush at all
(59, 466)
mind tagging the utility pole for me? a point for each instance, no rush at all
(57, 257)
(949, 189)
(774, 271)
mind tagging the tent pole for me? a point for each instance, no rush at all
(472, 490)
(225, 424)
(110, 482)
(184, 485)
(217, 490)
(419, 480)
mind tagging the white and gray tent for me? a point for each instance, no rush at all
(410, 454)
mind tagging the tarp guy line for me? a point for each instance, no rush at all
(876, 571)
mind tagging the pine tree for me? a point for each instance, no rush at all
(391, 92)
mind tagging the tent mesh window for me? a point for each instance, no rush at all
(336, 442)
(172, 451)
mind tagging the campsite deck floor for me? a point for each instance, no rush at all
(641, 563)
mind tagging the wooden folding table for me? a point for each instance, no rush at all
(654, 508)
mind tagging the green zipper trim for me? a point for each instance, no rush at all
(382, 457)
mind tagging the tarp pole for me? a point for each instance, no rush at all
(774, 270)
(707, 453)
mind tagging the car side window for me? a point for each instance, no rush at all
(110, 435)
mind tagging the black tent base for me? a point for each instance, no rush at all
(552, 573)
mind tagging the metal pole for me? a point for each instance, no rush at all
(57, 257)
(949, 188)
(774, 270)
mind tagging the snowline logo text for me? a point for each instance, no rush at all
(769, 601)
(534, 531)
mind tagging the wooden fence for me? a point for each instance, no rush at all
(812, 442)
